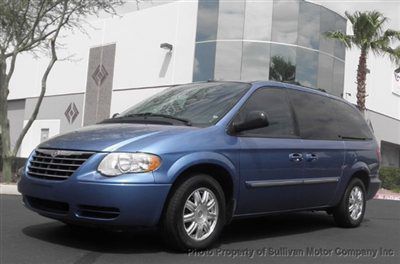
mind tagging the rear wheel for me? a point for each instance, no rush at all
(351, 209)
(195, 214)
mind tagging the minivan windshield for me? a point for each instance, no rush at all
(198, 104)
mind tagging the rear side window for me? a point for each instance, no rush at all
(351, 123)
(273, 101)
(315, 116)
(323, 118)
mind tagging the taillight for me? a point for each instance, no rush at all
(378, 154)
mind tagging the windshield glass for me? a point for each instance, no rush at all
(202, 104)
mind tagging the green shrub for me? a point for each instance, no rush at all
(390, 178)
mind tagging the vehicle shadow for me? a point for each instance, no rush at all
(150, 241)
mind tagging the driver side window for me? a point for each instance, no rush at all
(273, 101)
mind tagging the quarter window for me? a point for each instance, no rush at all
(274, 103)
(351, 124)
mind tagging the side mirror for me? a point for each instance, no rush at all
(115, 115)
(253, 120)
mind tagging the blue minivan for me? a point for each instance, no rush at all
(195, 156)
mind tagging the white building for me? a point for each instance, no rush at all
(120, 62)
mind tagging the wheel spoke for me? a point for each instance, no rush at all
(212, 216)
(206, 226)
(210, 204)
(199, 231)
(197, 198)
(190, 206)
(205, 197)
(192, 228)
(188, 218)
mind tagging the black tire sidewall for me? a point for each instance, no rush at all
(180, 196)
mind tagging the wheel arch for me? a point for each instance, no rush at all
(216, 166)
(359, 170)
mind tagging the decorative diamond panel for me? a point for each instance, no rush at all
(71, 113)
(99, 75)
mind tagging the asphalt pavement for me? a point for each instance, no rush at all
(306, 237)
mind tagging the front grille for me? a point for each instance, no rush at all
(56, 164)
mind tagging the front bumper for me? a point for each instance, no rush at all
(98, 203)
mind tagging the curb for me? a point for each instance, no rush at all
(394, 197)
(9, 189)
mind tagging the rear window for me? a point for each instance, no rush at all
(323, 118)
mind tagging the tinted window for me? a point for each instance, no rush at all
(315, 116)
(351, 123)
(274, 102)
(321, 117)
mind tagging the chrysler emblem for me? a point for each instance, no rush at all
(55, 153)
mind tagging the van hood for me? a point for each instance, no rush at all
(111, 137)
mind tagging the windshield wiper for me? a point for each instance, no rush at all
(183, 120)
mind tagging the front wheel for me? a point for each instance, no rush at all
(351, 209)
(195, 214)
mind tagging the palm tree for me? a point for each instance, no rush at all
(368, 35)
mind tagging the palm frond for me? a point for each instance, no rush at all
(341, 37)
(394, 54)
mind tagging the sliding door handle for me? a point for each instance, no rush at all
(296, 157)
(311, 157)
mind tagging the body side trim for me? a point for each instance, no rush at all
(273, 183)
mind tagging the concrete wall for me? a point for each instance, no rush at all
(390, 154)
(59, 114)
(385, 128)
(99, 84)
(16, 109)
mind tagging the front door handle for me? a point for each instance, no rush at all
(311, 157)
(295, 157)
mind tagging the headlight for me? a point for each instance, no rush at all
(119, 163)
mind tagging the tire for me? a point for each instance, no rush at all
(205, 219)
(345, 216)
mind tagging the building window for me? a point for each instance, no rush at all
(204, 61)
(307, 67)
(309, 22)
(258, 19)
(338, 78)
(207, 20)
(228, 60)
(284, 21)
(325, 72)
(283, 63)
(255, 61)
(44, 134)
(230, 19)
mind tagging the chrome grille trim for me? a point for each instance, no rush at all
(56, 164)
